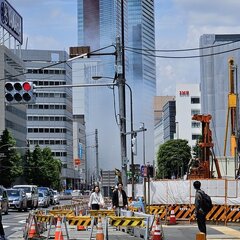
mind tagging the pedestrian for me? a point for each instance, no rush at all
(96, 199)
(199, 213)
(2, 233)
(119, 199)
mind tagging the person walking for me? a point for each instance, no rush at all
(2, 233)
(96, 199)
(199, 212)
(119, 199)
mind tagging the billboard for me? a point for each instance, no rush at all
(11, 21)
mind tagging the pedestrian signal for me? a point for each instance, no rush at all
(19, 92)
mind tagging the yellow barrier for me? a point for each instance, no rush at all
(62, 213)
(44, 218)
(103, 213)
(127, 221)
(79, 221)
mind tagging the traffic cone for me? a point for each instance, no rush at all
(172, 219)
(99, 235)
(32, 233)
(153, 226)
(81, 228)
(58, 232)
(157, 235)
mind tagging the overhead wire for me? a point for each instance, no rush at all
(181, 50)
(183, 57)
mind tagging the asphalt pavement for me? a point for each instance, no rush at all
(179, 232)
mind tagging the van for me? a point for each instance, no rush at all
(3, 200)
(32, 194)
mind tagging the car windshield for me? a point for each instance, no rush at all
(40, 194)
(26, 189)
(13, 193)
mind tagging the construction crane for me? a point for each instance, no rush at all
(202, 164)
(232, 114)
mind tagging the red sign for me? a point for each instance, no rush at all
(184, 93)
(77, 161)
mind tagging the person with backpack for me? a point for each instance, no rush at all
(203, 205)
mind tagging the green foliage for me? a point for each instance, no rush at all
(43, 169)
(173, 158)
(10, 160)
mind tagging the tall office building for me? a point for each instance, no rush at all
(99, 22)
(215, 82)
(49, 120)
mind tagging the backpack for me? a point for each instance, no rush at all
(206, 202)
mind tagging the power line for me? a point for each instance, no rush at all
(184, 57)
(181, 50)
(54, 64)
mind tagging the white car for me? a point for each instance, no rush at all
(56, 197)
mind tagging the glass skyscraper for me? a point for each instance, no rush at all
(215, 82)
(99, 23)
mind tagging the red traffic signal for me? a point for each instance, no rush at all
(19, 92)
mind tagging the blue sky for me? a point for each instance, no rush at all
(52, 24)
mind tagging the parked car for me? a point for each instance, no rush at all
(56, 196)
(3, 200)
(43, 200)
(47, 193)
(31, 193)
(17, 199)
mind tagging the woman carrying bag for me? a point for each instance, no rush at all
(96, 199)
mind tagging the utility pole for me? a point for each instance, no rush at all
(97, 163)
(122, 109)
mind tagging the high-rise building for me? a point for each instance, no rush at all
(49, 120)
(215, 82)
(99, 23)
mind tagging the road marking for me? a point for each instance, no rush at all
(22, 221)
(227, 231)
(5, 226)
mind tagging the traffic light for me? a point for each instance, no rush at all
(19, 92)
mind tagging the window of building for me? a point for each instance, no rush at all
(195, 136)
(195, 100)
(195, 111)
(195, 124)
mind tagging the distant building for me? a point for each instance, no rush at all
(215, 82)
(49, 120)
(187, 104)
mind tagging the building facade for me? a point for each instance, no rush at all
(187, 104)
(49, 120)
(101, 31)
(215, 82)
(13, 116)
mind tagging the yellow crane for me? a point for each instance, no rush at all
(231, 113)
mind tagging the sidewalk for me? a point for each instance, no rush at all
(179, 232)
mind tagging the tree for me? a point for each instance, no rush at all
(10, 160)
(43, 169)
(173, 158)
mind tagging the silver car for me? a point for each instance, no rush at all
(17, 199)
(42, 199)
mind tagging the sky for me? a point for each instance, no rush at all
(52, 24)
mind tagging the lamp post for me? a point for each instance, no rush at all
(144, 162)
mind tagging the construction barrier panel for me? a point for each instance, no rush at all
(62, 213)
(103, 213)
(127, 221)
(84, 221)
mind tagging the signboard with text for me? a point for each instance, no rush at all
(11, 21)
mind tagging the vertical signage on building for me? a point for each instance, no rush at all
(11, 20)
(80, 153)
